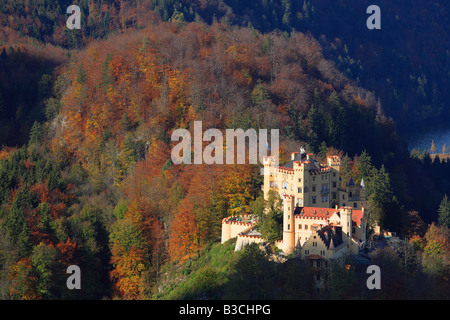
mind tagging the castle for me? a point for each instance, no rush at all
(321, 220)
(312, 184)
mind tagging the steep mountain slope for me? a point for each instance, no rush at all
(406, 63)
(146, 84)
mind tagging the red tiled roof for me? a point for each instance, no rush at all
(357, 216)
(316, 212)
(311, 212)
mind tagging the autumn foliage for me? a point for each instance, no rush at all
(96, 186)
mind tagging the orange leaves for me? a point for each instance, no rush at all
(28, 164)
(41, 191)
(23, 284)
(127, 274)
(74, 126)
(241, 63)
(239, 52)
(135, 243)
(178, 101)
(56, 200)
(120, 70)
(150, 67)
(67, 252)
(185, 238)
(283, 109)
(360, 101)
(237, 187)
(6, 152)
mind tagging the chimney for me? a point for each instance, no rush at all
(293, 154)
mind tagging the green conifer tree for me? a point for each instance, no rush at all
(444, 212)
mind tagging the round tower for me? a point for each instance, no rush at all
(268, 171)
(288, 223)
(362, 190)
(346, 223)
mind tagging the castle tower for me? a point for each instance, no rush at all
(351, 188)
(288, 223)
(363, 225)
(334, 162)
(362, 190)
(346, 223)
(268, 171)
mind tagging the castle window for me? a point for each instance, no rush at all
(350, 194)
(271, 184)
(306, 227)
(321, 198)
(289, 227)
(300, 227)
(353, 230)
(292, 187)
(343, 196)
(285, 185)
(355, 205)
(299, 190)
(306, 189)
(313, 188)
(300, 202)
(299, 179)
(334, 184)
(326, 198)
(334, 195)
(313, 199)
(314, 178)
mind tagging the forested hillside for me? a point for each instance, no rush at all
(407, 62)
(86, 118)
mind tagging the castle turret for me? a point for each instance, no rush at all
(288, 223)
(346, 223)
(268, 171)
(362, 190)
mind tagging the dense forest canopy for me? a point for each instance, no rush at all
(407, 62)
(86, 117)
